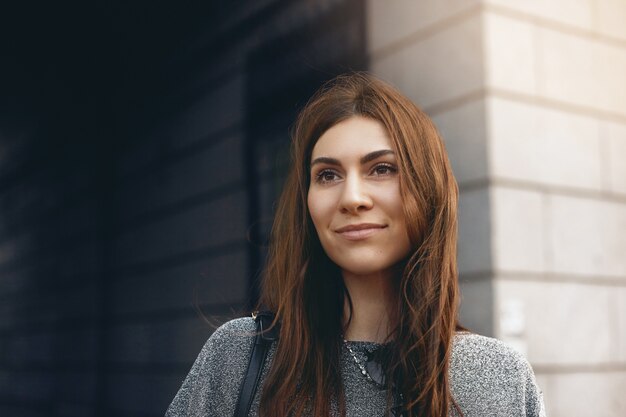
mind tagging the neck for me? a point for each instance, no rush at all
(372, 296)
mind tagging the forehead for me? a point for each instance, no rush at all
(353, 137)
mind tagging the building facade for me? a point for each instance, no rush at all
(133, 217)
(531, 100)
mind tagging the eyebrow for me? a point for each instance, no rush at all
(364, 160)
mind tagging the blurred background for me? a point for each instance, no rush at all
(143, 144)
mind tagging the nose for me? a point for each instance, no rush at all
(354, 196)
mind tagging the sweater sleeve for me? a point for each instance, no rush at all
(490, 378)
(533, 395)
(212, 386)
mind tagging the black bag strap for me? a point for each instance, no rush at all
(262, 342)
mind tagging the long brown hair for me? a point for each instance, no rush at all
(305, 289)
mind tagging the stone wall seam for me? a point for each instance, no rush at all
(453, 103)
(585, 193)
(545, 102)
(556, 104)
(607, 367)
(424, 33)
(562, 278)
(555, 25)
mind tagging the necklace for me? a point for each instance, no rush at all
(370, 367)
(374, 368)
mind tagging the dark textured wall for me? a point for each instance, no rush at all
(142, 147)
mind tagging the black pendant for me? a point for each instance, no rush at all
(375, 371)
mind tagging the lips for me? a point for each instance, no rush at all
(359, 231)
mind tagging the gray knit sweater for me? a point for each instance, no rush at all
(487, 378)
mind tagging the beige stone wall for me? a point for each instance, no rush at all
(530, 97)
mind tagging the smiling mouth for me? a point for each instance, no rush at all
(359, 232)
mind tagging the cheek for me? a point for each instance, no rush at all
(391, 200)
(322, 211)
(316, 209)
(394, 207)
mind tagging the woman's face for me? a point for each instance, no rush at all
(354, 197)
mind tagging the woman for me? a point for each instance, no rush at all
(362, 278)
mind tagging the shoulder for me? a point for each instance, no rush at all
(230, 344)
(469, 348)
(234, 332)
(488, 375)
(212, 385)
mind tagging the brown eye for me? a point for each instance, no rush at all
(326, 176)
(384, 169)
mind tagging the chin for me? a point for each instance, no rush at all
(367, 260)
(364, 268)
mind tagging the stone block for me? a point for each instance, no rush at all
(561, 323)
(509, 54)
(615, 162)
(573, 13)
(544, 145)
(585, 394)
(218, 164)
(621, 324)
(477, 304)
(388, 22)
(220, 109)
(135, 393)
(440, 67)
(474, 250)
(581, 71)
(76, 390)
(16, 246)
(517, 230)
(585, 236)
(71, 346)
(163, 342)
(610, 16)
(198, 227)
(140, 153)
(32, 387)
(17, 410)
(220, 279)
(464, 132)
